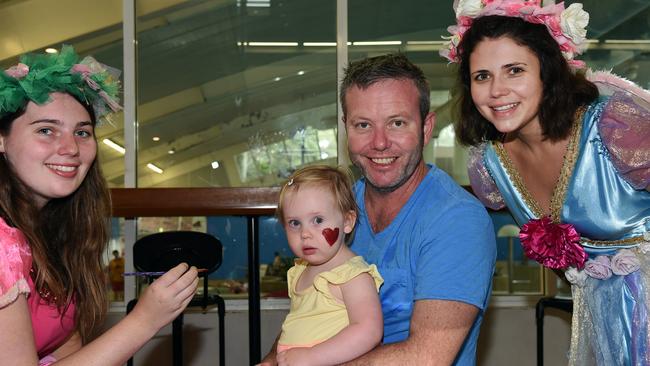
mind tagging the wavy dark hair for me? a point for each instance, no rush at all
(564, 91)
(364, 73)
(67, 237)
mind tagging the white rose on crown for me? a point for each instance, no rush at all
(573, 21)
(468, 8)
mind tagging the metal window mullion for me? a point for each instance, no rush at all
(341, 63)
(130, 134)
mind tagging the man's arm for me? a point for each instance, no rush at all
(270, 358)
(438, 330)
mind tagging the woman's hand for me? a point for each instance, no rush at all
(167, 297)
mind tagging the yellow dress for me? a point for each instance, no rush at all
(315, 314)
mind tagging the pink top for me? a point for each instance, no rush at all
(50, 328)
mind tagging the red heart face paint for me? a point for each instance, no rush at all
(331, 235)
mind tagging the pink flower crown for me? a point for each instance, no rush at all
(567, 26)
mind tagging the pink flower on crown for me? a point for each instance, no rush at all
(86, 71)
(18, 71)
(567, 26)
(80, 69)
(554, 245)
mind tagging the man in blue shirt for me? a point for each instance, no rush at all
(431, 240)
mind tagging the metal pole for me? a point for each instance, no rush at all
(341, 63)
(130, 135)
(254, 319)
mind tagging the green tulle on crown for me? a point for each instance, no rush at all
(38, 75)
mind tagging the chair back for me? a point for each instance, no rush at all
(165, 250)
(161, 252)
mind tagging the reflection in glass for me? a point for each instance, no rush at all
(514, 273)
(235, 82)
(230, 281)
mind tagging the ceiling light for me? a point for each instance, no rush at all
(301, 72)
(319, 44)
(154, 168)
(171, 151)
(258, 3)
(277, 78)
(110, 143)
(156, 138)
(273, 44)
(415, 43)
(255, 3)
(377, 43)
(630, 41)
(51, 50)
(215, 164)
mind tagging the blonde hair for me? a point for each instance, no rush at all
(336, 179)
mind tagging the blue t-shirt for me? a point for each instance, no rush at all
(440, 246)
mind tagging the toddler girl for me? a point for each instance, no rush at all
(335, 313)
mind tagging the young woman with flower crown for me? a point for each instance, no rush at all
(54, 215)
(569, 155)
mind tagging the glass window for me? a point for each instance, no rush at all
(275, 258)
(235, 93)
(241, 93)
(230, 280)
(114, 260)
(514, 273)
(94, 29)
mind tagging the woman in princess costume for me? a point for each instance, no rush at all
(568, 152)
(54, 216)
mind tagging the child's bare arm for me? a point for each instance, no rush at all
(362, 334)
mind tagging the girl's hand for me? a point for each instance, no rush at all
(167, 297)
(295, 356)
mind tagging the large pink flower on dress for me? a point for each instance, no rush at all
(553, 245)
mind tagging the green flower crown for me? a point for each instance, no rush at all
(38, 75)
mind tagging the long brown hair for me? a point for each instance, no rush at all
(67, 237)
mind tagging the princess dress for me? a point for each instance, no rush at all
(602, 192)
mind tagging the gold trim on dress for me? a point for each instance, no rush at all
(517, 182)
(570, 158)
(606, 243)
(562, 184)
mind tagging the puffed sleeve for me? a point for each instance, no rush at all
(15, 262)
(482, 183)
(625, 130)
(342, 274)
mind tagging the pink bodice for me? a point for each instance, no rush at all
(49, 327)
